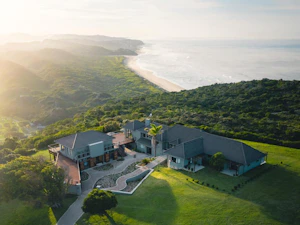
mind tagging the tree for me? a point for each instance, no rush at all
(4, 153)
(54, 186)
(98, 201)
(217, 161)
(10, 143)
(33, 180)
(153, 132)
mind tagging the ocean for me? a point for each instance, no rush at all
(194, 63)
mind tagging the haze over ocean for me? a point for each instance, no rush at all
(195, 63)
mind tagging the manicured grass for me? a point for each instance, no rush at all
(18, 213)
(167, 197)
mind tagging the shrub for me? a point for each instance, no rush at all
(98, 201)
(207, 184)
(217, 161)
(24, 152)
(202, 183)
(213, 186)
(146, 161)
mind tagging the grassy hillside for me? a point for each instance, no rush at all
(14, 76)
(172, 197)
(167, 197)
(58, 84)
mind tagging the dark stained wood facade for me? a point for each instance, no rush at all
(107, 158)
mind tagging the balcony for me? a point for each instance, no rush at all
(54, 148)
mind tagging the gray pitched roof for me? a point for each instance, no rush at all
(164, 127)
(140, 126)
(180, 134)
(80, 140)
(188, 149)
(233, 150)
(134, 125)
(252, 154)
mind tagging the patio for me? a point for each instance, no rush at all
(193, 167)
(229, 172)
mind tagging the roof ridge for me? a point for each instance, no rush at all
(74, 141)
(244, 153)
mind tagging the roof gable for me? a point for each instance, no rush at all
(252, 154)
(80, 140)
(134, 125)
(188, 149)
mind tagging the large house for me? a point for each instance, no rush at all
(88, 148)
(186, 148)
(80, 151)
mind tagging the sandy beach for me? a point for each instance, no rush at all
(130, 62)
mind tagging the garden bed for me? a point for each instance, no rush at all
(107, 166)
(110, 180)
(146, 161)
(131, 185)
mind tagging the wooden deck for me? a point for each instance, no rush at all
(70, 167)
(120, 139)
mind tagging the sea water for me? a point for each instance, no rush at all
(195, 63)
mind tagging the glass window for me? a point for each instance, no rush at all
(175, 160)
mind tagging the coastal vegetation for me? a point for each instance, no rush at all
(53, 91)
(265, 111)
(33, 180)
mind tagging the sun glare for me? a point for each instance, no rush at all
(15, 15)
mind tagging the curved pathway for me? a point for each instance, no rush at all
(121, 182)
(74, 212)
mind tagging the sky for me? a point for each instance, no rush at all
(154, 19)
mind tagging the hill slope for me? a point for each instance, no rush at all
(265, 110)
(58, 84)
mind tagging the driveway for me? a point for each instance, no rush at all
(74, 212)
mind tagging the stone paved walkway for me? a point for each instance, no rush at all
(74, 212)
(121, 182)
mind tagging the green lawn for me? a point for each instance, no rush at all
(18, 213)
(167, 197)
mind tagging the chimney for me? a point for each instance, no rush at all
(147, 122)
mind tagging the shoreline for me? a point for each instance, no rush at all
(130, 62)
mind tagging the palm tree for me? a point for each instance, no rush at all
(153, 131)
